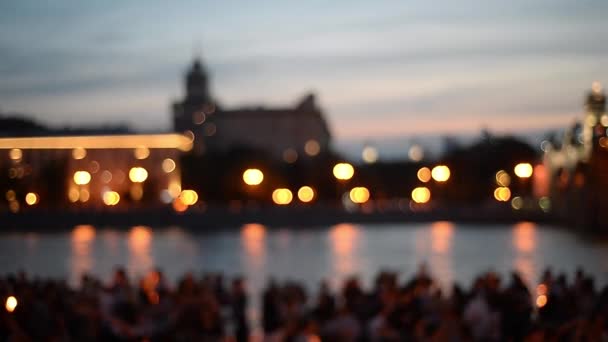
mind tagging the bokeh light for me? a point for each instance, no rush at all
(11, 303)
(253, 176)
(111, 198)
(416, 153)
(369, 154)
(343, 171)
(31, 198)
(359, 195)
(502, 194)
(189, 197)
(306, 194)
(440, 173)
(424, 174)
(503, 178)
(138, 174)
(82, 177)
(168, 165)
(312, 147)
(421, 195)
(141, 152)
(282, 196)
(15, 154)
(523, 170)
(79, 153)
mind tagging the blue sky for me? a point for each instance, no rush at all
(380, 69)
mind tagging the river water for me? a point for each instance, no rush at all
(452, 252)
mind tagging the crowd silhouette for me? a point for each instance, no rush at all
(212, 308)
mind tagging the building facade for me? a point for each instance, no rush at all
(281, 132)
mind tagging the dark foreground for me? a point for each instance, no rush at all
(561, 308)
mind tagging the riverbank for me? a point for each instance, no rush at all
(222, 217)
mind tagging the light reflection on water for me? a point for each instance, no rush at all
(452, 252)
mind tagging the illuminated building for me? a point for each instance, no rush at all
(300, 129)
(96, 171)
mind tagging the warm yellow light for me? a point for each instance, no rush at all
(359, 195)
(82, 177)
(440, 173)
(179, 206)
(84, 195)
(15, 154)
(424, 174)
(282, 196)
(523, 170)
(343, 171)
(111, 198)
(503, 178)
(421, 194)
(168, 165)
(79, 153)
(177, 141)
(369, 154)
(312, 147)
(306, 194)
(11, 304)
(31, 198)
(138, 174)
(541, 301)
(73, 195)
(502, 194)
(188, 197)
(141, 152)
(253, 177)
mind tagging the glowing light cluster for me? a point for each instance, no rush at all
(111, 198)
(306, 194)
(188, 197)
(82, 177)
(253, 177)
(503, 178)
(141, 152)
(421, 195)
(424, 174)
(138, 174)
(11, 303)
(502, 194)
(359, 195)
(523, 170)
(31, 198)
(440, 173)
(15, 154)
(282, 196)
(79, 153)
(343, 171)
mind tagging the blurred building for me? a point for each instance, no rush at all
(578, 165)
(281, 132)
(110, 172)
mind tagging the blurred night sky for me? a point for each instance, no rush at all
(380, 69)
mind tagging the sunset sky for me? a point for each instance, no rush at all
(379, 69)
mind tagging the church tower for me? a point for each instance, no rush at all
(194, 112)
